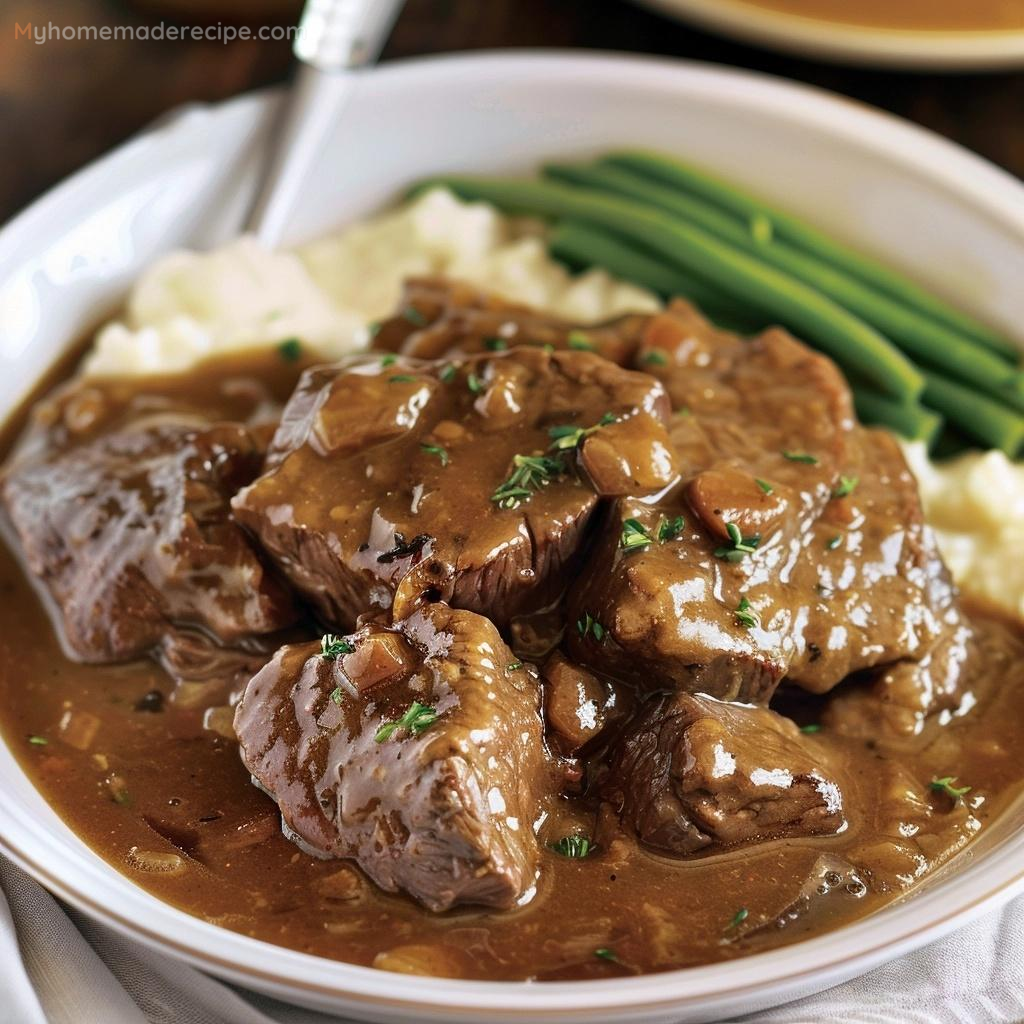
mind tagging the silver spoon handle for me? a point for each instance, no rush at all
(338, 35)
(335, 39)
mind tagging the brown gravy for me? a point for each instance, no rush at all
(166, 800)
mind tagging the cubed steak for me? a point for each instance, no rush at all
(793, 545)
(471, 479)
(131, 533)
(416, 750)
(437, 317)
(691, 772)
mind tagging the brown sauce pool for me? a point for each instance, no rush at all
(134, 771)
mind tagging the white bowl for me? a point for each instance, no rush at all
(827, 39)
(928, 207)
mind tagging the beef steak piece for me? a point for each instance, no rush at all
(416, 750)
(471, 479)
(692, 771)
(793, 545)
(131, 533)
(437, 317)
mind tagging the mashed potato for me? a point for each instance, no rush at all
(976, 505)
(192, 305)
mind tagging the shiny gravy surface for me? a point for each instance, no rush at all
(147, 775)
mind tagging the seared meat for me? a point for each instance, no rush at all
(132, 535)
(442, 806)
(473, 480)
(793, 545)
(876, 588)
(437, 317)
(692, 771)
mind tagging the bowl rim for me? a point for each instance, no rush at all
(852, 43)
(835, 955)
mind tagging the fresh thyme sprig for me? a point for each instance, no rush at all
(331, 646)
(739, 546)
(575, 847)
(746, 616)
(529, 474)
(634, 536)
(945, 785)
(416, 719)
(532, 472)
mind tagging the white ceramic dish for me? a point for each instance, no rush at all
(852, 44)
(930, 208)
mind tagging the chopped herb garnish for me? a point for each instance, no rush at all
(38, 741)
(373, 329)
(574, 847)
(747, 618)
(389, 360)
(495, 344)
(331, 646)
(529, 474)
(565, 437)
(655, 358)
(414, 316)
(739, 546)
(606, 954)
(120, 796)
(579, 341)
(402, 378)
(810, 460)
(833, 542)
(588, 624)
(447, 375)
(474, 383)
(290, 350)
(739, 917)
(813, 727)
(418, 718)
(945, 785)
(634, 535)
(764, 485)
(436, 449)
(337, 695)
(670, 529)
(514, 666)
(847, 484)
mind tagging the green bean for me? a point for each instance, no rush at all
(690, 248)
(921, 338)
(911, 421)
(583, 245)
(580, 245)
(977, 415)
(813, 241)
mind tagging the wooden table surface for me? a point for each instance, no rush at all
(64, 102)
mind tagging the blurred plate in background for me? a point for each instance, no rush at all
(958, 35)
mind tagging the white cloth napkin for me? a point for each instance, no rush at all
(58, 967)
